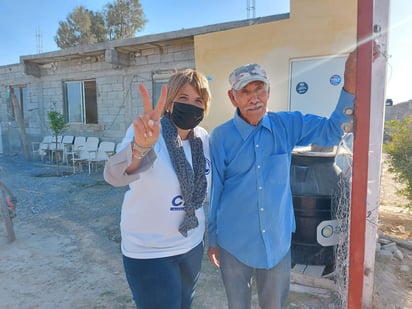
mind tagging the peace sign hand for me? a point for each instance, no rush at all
(147, 126)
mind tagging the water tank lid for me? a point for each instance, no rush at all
(307, 151)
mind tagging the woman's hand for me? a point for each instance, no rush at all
(147, 125)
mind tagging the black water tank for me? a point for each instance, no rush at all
(314, 179)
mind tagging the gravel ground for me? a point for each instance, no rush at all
(67, 251)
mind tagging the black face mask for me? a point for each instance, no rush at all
(186, 116)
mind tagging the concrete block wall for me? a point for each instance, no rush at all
(10, 140)
(118, 98)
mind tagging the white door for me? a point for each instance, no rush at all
(315, 84)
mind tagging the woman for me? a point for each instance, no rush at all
(165, 162)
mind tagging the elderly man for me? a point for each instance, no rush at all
(251, 217)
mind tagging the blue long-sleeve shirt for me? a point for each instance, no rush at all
(251, 212)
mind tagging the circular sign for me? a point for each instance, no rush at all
(335, 79)
(302, 87)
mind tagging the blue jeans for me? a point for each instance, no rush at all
(167, 282)
(272, 284)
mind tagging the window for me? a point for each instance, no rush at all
(157, 87)
(159, 79)
(81, 101)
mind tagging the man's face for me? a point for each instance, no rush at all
(251, 101)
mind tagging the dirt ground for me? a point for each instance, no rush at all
(67, 252)
(393, 287)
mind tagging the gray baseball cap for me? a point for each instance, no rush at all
(245, 74)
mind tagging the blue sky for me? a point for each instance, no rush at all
(20, 20)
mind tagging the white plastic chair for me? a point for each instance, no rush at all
(55, 146)
(86, 152)
(66, 146)
(74, 150)
(105, 150)
(42, 148)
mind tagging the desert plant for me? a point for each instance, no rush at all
(57, 125)
(399, 150)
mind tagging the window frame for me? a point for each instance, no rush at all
(84, 110)
(159, 78)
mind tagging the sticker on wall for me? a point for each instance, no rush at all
(335, 79)
(302, 87)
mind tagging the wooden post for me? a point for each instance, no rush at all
(377, 115)
(18, 114)
(360, 155)
(372, 24)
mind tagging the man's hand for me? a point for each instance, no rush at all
(349, 83)
(350, 68)
(213, 254)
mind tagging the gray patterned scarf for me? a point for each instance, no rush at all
(193, 183)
